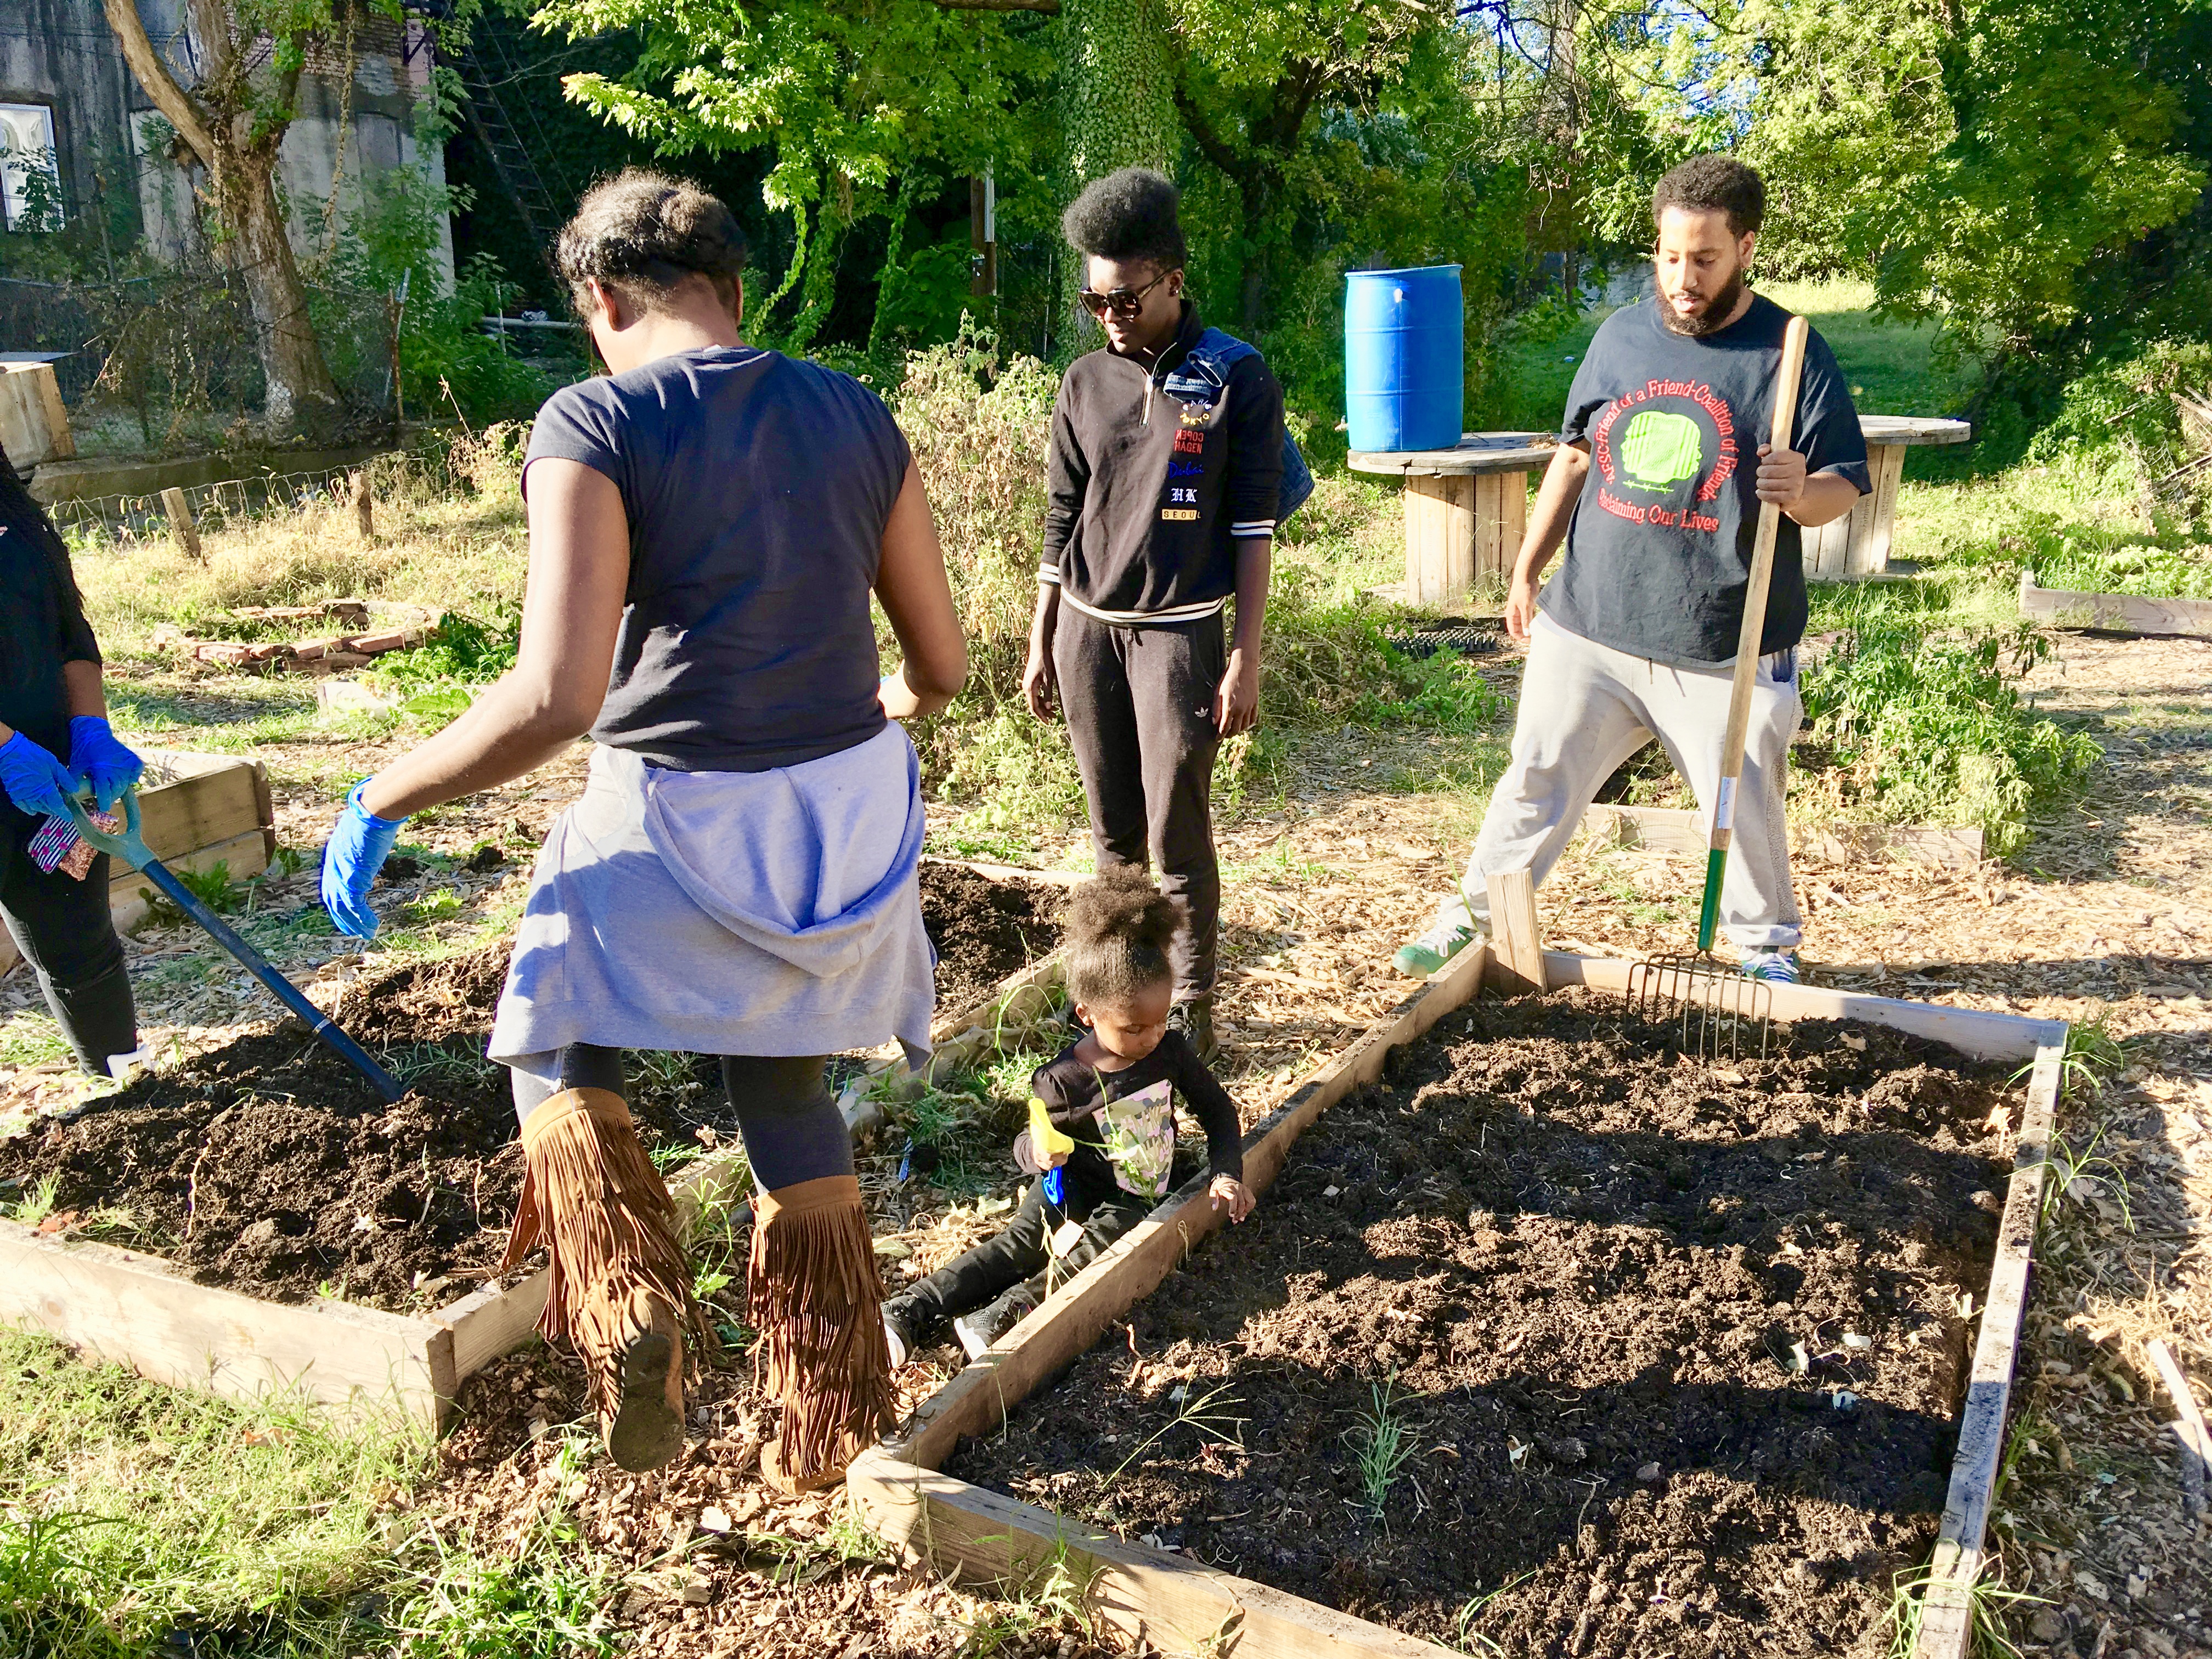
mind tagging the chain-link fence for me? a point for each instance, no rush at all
(177, 348)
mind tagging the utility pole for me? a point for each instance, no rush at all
(983, 233)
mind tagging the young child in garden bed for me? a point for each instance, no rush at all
(1102, 1122)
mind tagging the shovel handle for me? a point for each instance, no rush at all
(1748, 639)
(131, 847)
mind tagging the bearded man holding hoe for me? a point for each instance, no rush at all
(1655, 490)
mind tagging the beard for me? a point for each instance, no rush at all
(1715, 315)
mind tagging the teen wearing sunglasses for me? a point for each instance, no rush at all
(1165, 471)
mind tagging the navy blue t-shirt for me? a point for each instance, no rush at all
(1658, 552)
(758, 487)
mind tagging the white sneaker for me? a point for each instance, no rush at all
(1775, 967)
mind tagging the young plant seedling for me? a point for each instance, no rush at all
(1382, 1443)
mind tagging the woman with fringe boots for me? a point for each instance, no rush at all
(708, 522)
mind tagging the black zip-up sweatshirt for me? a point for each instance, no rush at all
(1152, 488)
(42, 624)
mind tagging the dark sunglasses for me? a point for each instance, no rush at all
(1122, 302)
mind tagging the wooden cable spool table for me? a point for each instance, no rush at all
(1466, 508)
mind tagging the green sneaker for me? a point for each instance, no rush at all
(1419, 958)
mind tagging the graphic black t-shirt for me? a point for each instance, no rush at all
(1123, 1122)
(1658, 553)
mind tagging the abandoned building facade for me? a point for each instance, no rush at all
(76, 131)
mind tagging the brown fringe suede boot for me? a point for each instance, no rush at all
(816, 1301)
(621, 1288)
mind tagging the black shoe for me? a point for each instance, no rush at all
(1195, 1019)
(980, 1331)
(901, 1331)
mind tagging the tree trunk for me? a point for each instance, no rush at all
(237, 144)
(1117, 92)
(302, 398)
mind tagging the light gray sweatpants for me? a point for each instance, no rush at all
(1585, 709)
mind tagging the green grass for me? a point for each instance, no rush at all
(1889, 366)
(128, 1511)
(30, 1039)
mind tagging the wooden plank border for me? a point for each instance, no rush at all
(2125, 613)
(140, 1310)
(1946, 1608)
(1181, 1605)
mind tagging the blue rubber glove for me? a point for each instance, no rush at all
(360, 843)
(35, 779)
(100, 760)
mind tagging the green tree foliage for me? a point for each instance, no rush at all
(851, 97)
(1117, 88)
(2064, 148)
(1980, 158)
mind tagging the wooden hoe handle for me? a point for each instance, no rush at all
(1747, 640)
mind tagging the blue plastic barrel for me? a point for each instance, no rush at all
(1404, 370)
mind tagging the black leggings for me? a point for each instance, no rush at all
(793, 1129)
(64, 929)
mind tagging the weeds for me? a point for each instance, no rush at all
(40, 1203)
(2093, 1055)
(1463, 1630)
(2071, 1177)
(1927, 729)
(1051, 1593)
(1209, 1412)
(30, 1039)
(544, 1601)
(1382, 1444)
(157, 1509)
(1986, 1600)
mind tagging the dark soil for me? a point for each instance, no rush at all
(268, 1166)
(1586, 1275)
(984, 930)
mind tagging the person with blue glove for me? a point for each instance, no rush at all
(51, 706)
(360, 843)
(709, 525)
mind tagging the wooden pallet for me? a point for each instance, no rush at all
(143, 1311)
(195, 811)
(1180, 1605)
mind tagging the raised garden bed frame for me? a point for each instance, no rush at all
(1181, 1606)
(140, 1310)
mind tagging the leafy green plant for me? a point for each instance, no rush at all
(1382, 1444)
(214, 888)
(437, 680)
(1927, 728)
(442, 905)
